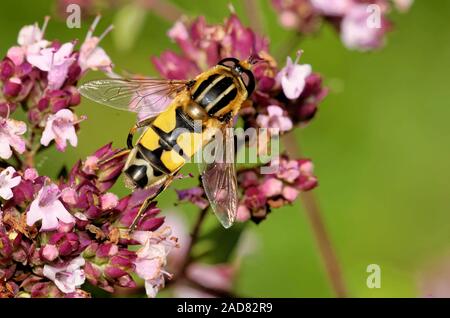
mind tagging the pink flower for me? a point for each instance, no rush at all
(271, 187)
(16, 54)
(55, 62)
(274, 119)
(290, 193)
(243, 213)
(288, 170)
(10, 131)
(217, 277)
(47, 207)
(109, 201)
(91, 55)
(7, 182)
(60, 127)
(403, 5)
(357, 31)
(297, 14)
(30, 174)
(67, 278)
(293, 76)
(332, 7)
(69, 196)
(151, 258)
(196, 195)
(50, 252)
(30, 40)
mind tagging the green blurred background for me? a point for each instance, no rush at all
(379, 144)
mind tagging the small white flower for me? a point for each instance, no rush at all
(7, 182)
(67, 278)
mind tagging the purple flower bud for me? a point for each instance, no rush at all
(43, 103)
(49, 252)
(25, 69)
(66, 243)
(6, 69)
(12, 87)
(254, 198)
(173, 66)
(195, 195)
(58, 99)
(126, 281)
(113, 272)
(7, 108)
(5, 247)
(107, 250)
(73, 73)
(75, 96)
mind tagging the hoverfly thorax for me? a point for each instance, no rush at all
(242, 70)
(221, 90)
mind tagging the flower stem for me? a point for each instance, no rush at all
(164, 9)
(254, 15)
(314, 215)
(194, 237)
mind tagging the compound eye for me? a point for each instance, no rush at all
(249, 81)
(230, 62)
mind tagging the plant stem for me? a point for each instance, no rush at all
(254, 15)
(165, 9)
(315, 218)
(194, 237)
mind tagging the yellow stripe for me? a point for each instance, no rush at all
(205, 91)
(214, 102)
(166, 121)
(150, 139)
(172, 160)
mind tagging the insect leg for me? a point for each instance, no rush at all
(147, 202)
(122, 152)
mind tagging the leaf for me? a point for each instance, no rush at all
(128, 23)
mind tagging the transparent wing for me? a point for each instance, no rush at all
(220, 181)
(145, 96)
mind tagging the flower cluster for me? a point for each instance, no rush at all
(284, 97)
(362, 24)
(41, 77)
(263, 192)
(57, 235)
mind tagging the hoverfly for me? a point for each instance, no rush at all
(213, 98)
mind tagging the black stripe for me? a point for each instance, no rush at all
(216, 91)
(138, 174)
(223, 102)
(154, 157)
(168, 141)
(204, 85)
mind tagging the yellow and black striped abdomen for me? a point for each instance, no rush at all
(164, 147)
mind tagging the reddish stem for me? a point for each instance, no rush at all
(315, 218)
